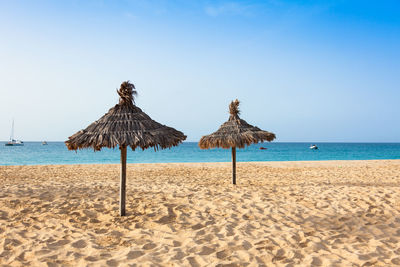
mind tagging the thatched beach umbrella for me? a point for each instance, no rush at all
(125, 125)
(235, 133)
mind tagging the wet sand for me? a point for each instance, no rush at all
(336, 213)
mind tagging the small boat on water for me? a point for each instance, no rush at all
(12, 141)
(263, 148)
(44, 143)
(314, 147)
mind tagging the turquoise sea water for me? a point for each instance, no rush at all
(34, 153)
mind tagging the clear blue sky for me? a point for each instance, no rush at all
(309, 71)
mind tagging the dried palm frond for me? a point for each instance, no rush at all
(234, 108)
(127, 93)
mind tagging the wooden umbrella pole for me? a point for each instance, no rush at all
(122, 192)
(234, 165)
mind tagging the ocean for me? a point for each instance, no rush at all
(34, 153)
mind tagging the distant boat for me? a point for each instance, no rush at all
(12, 141)
(314, 147)
(263, 148)
(44, 143)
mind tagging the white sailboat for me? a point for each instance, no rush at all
(12, 141)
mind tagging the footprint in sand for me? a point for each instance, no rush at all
(176, 243)
(396, 261)
(93, 220)
(42, 252)
(101, 231)
(280, 255)
(3, 215)
(79, 244)
(197, 226)
(134, 254)
(11, 242)
(192, 261)
(206, 250)
(316, 261)
(222, 254)
(149, 246)
(112, 263)
(58, 243)
(90, 213)
(171, 217)
(83, 219)
(91, 258)
(179, 255)
(246, 245)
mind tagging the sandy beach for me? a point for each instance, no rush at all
(336, 213)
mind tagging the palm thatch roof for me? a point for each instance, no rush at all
(235, 132)
(125, 125)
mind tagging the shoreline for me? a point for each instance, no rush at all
(219, 162)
